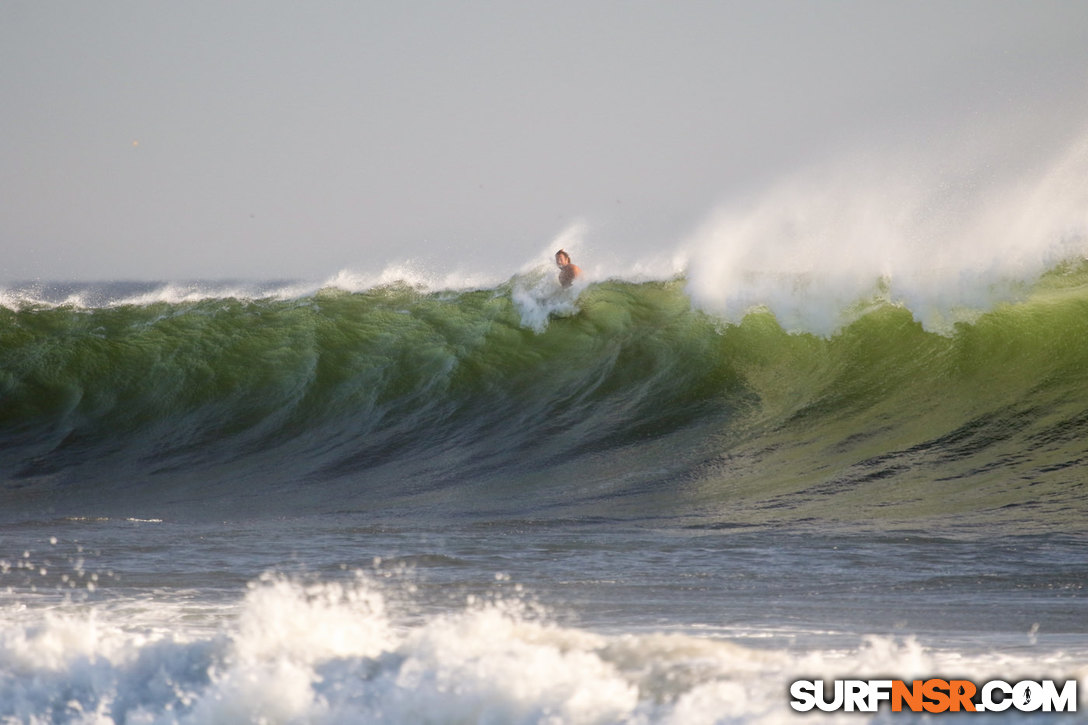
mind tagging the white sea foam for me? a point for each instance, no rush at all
(539, 297)
(333, 652)
(413, 275)
(536, 291)
(91, 295)
(99, 295)
(946, 238)
(945, 232)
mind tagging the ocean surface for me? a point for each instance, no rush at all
(513, 503)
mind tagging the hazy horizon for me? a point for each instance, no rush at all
(289, 141)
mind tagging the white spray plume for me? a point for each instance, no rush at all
(945, 239)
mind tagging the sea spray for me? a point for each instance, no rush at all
(539, 297)
(945, 242)
(358, 648)
(610, 396)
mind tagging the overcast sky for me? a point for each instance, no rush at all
(176, 140)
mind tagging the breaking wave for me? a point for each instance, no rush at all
(522, 399)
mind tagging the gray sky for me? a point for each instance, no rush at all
(173, 140)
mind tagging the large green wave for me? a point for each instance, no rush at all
(631, 405)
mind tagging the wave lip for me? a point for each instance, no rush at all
(615, 398)
(946, 238)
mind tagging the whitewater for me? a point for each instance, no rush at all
(837, 432)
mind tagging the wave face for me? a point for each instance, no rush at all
(623, 401)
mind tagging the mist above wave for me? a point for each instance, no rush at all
(947, 237)
(945, 231)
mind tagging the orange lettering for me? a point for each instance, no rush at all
(961, 692)
(912, 696)
(935, 690)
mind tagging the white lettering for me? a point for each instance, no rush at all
(879, 690)
(988, 701)
(856, 695)
(994, 696)
(1064, 701)
(1027, 696)
(803, 693)
(821, 697)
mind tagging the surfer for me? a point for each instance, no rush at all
(567, 272)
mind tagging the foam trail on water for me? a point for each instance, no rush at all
(536, 291)
(352, 651)
(944, 239)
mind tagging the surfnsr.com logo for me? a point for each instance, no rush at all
(934, 695)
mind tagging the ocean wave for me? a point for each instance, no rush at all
(583, 400)
(296, 650)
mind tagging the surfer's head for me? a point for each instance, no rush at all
(562, 258)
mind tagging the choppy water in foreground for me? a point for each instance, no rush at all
(402, 505)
